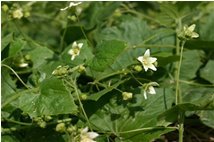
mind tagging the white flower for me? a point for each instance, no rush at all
(150, 89)
(86, 136)
(147, 61)
(72, 4)
(75, 50)
(18, 14)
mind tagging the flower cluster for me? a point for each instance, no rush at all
(16, 11)
(148, 62)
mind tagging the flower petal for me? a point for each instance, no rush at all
(92, 135)
(74, 44)
(140, 58)
(145, 67)
(85, 130)
(152, 59)
(195, 35)
(152, 67)
(192, 27)
(144, 94)
(73, 57)
(71, 52)
(80, 45)
(147, 53)
(151, 90)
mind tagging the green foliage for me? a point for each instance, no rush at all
(46, 82)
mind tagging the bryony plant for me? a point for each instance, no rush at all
(147, 61)
(75, 50)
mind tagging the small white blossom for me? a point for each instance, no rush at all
(86, 136)
(72, 4)
(147, 61)
(75, 50)
(150, 89)
(18, 14)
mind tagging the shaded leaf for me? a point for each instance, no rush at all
(188, 69)
(106, 54)
(121, 116)
(52, 99)
(207, 71)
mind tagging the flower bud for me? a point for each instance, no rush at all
(47, 118)
(5, 8)
(81, 69)
(60, 127)
(71, 129)
(83, 96)
(26, 14)
(42, 124)
(138, 68)
(127, 95)
(61, 71)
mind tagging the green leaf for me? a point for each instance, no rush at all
(6, 40)
(136, 32)
(9, 138)
(188, 69)
(132, 30)
(168, 14)
(173, 113)
(119, 116)
(8, 86)
(97, 12)
(106, 54)
(16, 46)
(207, 117)
(146, 135)
(52, 99)
(40, 55)
(206, 30)
(199, 44)
(207, 71)
(165, 58)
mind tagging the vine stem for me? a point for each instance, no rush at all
(4, 65)
(80, 103)
(178, 97)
